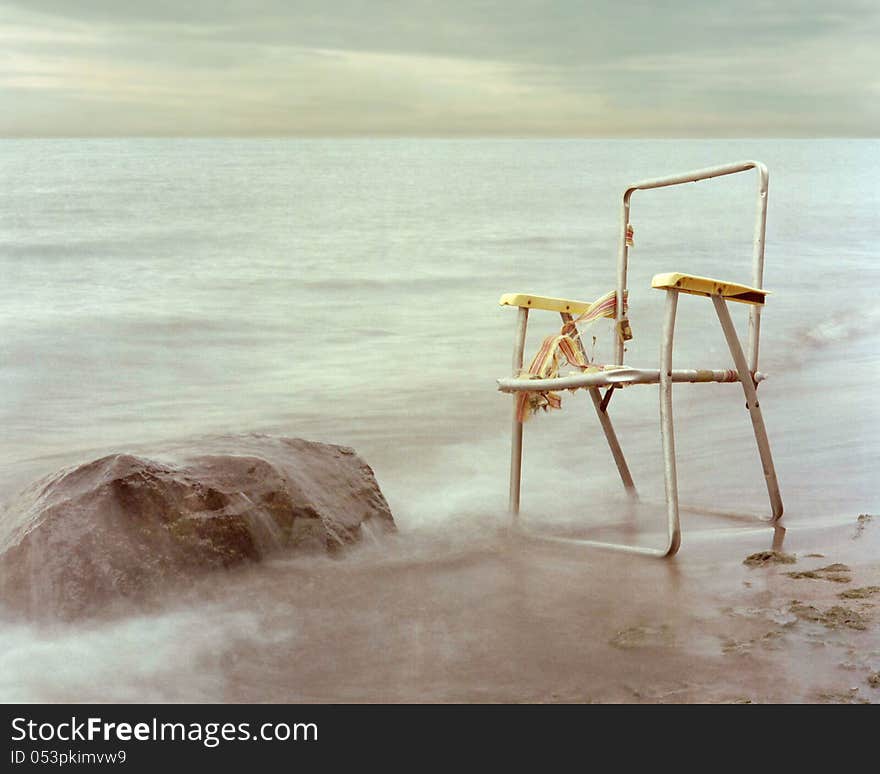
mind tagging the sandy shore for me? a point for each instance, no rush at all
(474, 617)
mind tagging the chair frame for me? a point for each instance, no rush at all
(746, 372)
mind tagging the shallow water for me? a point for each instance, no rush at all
(162, 290)
(429, 619)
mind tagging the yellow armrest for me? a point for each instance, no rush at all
(705, 286)
(544, 302)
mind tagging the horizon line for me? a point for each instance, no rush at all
(438, 136)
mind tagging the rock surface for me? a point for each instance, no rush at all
(124, 527)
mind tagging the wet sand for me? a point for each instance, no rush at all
(477, 616)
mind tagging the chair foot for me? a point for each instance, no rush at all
(672, 545)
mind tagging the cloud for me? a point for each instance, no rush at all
(507, 68)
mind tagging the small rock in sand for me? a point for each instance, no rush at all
(862, 593)
(874, 679)
(643, 637)
(839, 697)
(763, 558)
(836, 617)
(833, 572)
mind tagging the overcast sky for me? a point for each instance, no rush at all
(597, 68)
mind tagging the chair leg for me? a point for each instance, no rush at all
(614, 444)
(608, 428)
(517, 428)
(666, 426)
(752, 404)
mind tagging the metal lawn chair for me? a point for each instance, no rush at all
(536, 387)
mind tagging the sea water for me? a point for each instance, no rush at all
(160, 290)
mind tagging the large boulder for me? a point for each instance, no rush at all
(124, 527)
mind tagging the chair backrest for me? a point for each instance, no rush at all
(757, 251)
